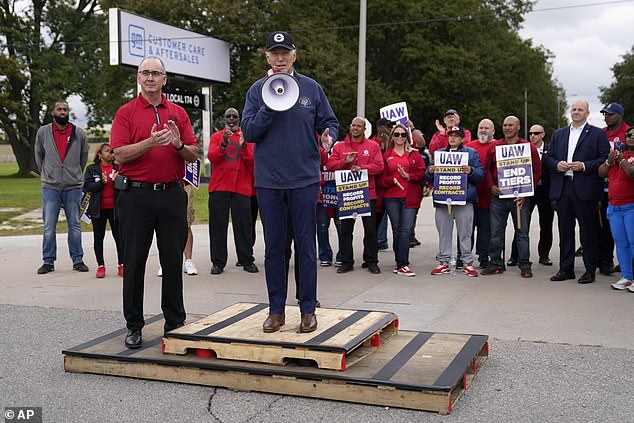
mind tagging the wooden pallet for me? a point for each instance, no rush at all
(342, 338)
(415, 370)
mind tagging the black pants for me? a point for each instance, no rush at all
(546, 216)
(99, 233)
(142, 213)
(220, 203)
(569, 208)
(605, 253)
(254, 217)
(370, 246)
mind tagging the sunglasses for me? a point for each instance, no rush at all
(399, 134)
(535, 133)
(231, 116)
(629, 135)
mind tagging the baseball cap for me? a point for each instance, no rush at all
(451, 112)
(613, 108)
(279, 39)
(456, 129)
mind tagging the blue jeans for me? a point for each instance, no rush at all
(402, 220)
(622, 226)
(500, 210)
(381, 231)
(323, 235)
(52, 201)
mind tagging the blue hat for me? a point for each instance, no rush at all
(613, 108)
(451, 112)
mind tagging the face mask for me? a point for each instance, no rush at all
(61, 120)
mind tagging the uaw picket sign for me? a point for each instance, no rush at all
(450, 182)
(515, 170)
(353, 193)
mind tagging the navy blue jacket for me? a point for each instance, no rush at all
(592, 149)
(286, 146)
(477, 173)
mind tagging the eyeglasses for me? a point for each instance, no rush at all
(231, 116)
(155, 74)
(535, 133)
(630, 135)
(399, 134)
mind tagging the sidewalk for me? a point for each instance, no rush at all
(550, 320)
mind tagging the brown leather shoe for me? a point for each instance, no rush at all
(309, 323)
(273, 323)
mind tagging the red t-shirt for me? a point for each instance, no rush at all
(62, 137)
(133, 123)
(482, 189)
(107, 193)
(618, 135)
(231, 168)
(621, 190)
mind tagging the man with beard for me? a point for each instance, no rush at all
(230, 189)
(61, 153)
(481, 209)
(615, 129)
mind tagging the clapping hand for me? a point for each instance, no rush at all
(326, 139)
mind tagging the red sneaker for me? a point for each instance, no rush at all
(405, 271)
(469, 270)
(101, 272)
(441, 269)
(121, 270)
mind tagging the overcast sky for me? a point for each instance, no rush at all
(586, 42)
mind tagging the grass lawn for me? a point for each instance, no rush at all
(24, 194)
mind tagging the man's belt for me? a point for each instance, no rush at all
(154, 187)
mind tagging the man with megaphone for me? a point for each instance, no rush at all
(282, 114)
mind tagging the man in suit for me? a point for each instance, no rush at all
(575, 154)
(542, 202)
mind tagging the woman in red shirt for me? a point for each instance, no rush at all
(402, 177)
(99, 182)
(619, 168)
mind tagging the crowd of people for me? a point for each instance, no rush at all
(274, 163)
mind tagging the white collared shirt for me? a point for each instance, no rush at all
(573, 139)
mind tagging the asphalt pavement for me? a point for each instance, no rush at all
(559, 352)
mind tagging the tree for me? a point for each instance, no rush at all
(622, 88)
(42, 59)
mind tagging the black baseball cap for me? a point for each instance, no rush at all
(280, 39)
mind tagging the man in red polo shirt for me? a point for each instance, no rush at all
(152, 139)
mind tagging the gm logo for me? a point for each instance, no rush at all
(136, 40)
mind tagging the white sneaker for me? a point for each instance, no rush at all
(159, 272)
(189, 268)
(622, 284)
(405, 271)
(631, 288)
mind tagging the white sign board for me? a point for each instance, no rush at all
(396, 112)
(186, 53)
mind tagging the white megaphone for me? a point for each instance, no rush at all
(280, 91)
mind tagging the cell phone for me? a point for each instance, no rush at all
(121, 183)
